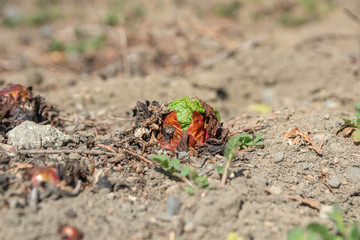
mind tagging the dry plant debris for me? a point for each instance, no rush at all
(182, 125)
(294, 136)
(17, 104)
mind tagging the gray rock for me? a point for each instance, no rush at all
(182, 155)
(353, 173)
(338, 124)
(74, 156)
(334, 182)
(104, 183)
(261, 154)
(280, 156)
(305, 166)
(142, 208)
(32, 135)
(318, 137)
(70, 213)
(174, 205)
(15, 202)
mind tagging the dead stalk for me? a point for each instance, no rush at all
(224, 176)
(87, 152)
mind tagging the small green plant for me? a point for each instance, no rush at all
(351, 126)
(242, 141)
(316, 231)
(306, 11)
(85, 45)
(233, 236)
(187, 174)
(229, 10)
(247, 140)
(111, 19)
(34, 19)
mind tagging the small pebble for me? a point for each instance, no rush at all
(318, 137)
(70, 213)
(305, 166)
(279, 157)
(104, 182)
(74, 156)
(142, 208)
(275, 190)
(111, 196)
(261, 154)
(327, 116)
(338, 124)
(174, 205)
(182, 155)
(353, 173)
(336, 160)
(190, 226)
(14, 203)
(325, 210)
(334, 182)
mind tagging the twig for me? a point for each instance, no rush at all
(351, 15)
(226, 168)
(124, 48)
(87, 152)
(323, 36)
(187, 181)
(305, 201)
(247, 129)
(136, 155)
(317, 149)
(66, 151)
(327, 185)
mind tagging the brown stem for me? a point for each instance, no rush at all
(224, 176)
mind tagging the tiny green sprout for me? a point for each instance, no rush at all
(316, 231)
(187, 174)
(233, 236)
(351, 126)
(168, 164)
(242, 141)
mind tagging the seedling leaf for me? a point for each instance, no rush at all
(356, 135)
(185, 171)
(190, 190)
(231, 147)
(220, 169)
(233, 236)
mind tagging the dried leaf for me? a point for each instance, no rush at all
(171, 132)
(196, 130)
(16, 92)
(211, 120)
(346, 132)
(356, 136)
(17, 105)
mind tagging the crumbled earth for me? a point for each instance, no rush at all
(307, 76)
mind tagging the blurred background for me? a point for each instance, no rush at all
(103, 56)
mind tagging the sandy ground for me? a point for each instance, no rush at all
(308, 75)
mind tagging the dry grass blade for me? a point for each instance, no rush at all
(351, 15)
(305, 201)
(294, 136)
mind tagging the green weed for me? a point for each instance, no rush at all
(229, 10)
(36, 18)
(187, 174)
(242, 141)
(351, 126)
(89, 44)
(316, 231)
(306, 11)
